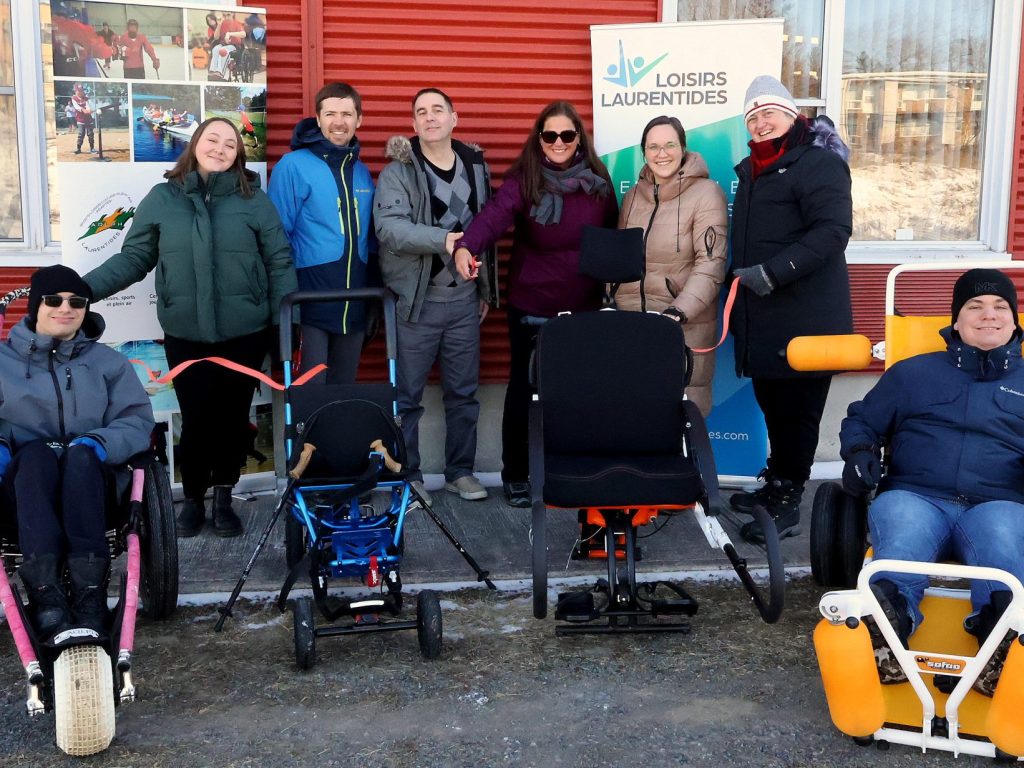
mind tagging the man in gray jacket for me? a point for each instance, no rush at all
(426, 197)
(70, 407)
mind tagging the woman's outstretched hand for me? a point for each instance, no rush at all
(466, 264)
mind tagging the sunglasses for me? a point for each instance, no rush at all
(75, 302)
(550, 137)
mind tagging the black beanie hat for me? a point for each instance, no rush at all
(55, 279)
(983, 282)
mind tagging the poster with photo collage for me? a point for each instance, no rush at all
(131, 83)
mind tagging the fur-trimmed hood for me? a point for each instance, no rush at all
(827, 137)
(400, 148)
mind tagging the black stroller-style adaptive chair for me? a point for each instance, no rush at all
(612, 436)
(342, 443)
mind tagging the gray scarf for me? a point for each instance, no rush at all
(557, 182)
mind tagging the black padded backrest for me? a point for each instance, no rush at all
(611, 383)
(306, 399)
(342, 421)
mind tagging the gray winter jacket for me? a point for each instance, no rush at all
(405, 226)
(58, 390)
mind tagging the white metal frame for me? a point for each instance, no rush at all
(837, 607)
(35, 248)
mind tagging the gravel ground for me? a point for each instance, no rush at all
(506, 691)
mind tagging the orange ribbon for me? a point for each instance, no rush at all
(231, 365)
(729, 301)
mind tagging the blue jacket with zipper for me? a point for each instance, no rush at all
(953, 422)
(324, 194)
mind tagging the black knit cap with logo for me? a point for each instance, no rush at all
(50, 280)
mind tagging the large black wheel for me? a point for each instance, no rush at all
(158, 540)
(294, 540)
(305, 633)
(540, 561)
(838, 536)
(428, 624)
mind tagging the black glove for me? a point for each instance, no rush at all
(862, 471)
(675, 313)
(374, 315)
(756, 279)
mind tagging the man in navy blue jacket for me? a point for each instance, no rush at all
(953, 425)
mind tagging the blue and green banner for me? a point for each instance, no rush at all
(699, 73)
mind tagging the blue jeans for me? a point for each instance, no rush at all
(909, 526)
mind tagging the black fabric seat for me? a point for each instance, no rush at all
(620, 481)
(610, 386)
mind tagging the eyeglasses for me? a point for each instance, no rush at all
(550, 137)
(655, 149)
(55, 300)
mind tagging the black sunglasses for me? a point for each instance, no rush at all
(550, 137)
(75, 302)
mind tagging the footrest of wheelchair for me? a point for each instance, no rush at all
(676, 606)
(576, 607)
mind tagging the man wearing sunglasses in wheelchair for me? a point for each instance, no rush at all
(953, 425)
(70, 407)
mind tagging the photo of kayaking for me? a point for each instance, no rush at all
(165, 117)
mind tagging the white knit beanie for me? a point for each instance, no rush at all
(765, 92)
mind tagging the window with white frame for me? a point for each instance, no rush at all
(11, 215)
(29, 210)
(920, 91)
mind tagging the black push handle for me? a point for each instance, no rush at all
(383, 295)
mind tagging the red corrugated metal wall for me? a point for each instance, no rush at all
(500, 64)
(1015, 238)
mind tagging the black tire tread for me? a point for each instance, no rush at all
(158, 586)
(429, 627)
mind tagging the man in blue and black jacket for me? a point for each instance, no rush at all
(953, 425)
(324, 194)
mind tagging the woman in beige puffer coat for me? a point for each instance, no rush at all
(684, 217)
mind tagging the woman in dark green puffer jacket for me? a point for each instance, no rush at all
(222, 266)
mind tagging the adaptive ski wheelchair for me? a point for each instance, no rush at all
(343, 445)
(72, 675)
(937, 706)
(613, 439)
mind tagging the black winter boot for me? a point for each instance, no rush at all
(191, 518)
(981, 627)
(89, 576)
(896, 610)
(48, 605)
(225, 522)
(783, 505)
(744, 501)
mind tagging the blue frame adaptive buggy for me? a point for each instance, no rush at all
(342, 442)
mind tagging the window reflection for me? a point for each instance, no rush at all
(915, 79)
(11, 227)
(802, 34)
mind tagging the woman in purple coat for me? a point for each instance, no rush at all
(555, 187)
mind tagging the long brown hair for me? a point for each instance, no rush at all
(528, 165)
(187, 161)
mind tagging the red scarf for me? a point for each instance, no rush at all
(764, 153)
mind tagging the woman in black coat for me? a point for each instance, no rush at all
(792, 219)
